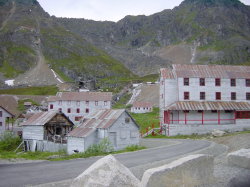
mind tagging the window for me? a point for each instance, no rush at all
(202, 81)
(51, 106)
(1, 114)
(248, 82)
(60, 109)
(243, 115)
(233, 82)
(217, 82)
(69, 110)
(77, 118)
(1, 124)
(186, 81)
(87, 102)
(233, 95)
(78, 110)
(105, 103)
(127, 120)
(87, 110)
(202, 95)
(96, 103)
(186, 95)
(77, 103)
(248, 96)
(218, 96)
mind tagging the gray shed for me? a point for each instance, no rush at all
(116, 125)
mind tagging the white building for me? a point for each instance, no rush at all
(142, 107)
(5, 120)
(116, 125)
(200, 98)
(79, 105)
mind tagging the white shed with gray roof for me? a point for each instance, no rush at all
(116, 125)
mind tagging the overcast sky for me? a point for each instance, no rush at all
(111, 10)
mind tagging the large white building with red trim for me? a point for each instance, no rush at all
(79, 105)
(198, 98)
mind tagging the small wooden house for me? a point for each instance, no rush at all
(116, 125)
(46, 131)
(142, 107)
(5, 120)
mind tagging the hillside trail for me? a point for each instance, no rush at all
(12, 11)
(41, 74)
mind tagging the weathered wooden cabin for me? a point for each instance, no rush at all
(46, 131)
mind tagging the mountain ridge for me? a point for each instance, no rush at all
(197, 31)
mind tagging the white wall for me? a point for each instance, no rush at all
(126, 133)
(74, 143)
(33, 132)
(5, 114)
(140, 110)
(210, 89)
(73, 105)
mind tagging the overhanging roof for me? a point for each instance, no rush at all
(209, 105)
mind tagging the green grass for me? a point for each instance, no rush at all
(122, 102)
(146, 120)
(46, 90)
(8, 70)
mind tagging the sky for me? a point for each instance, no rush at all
(107, 10)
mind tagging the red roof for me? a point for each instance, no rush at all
(81, 96)
(142, 104)
(206, 71)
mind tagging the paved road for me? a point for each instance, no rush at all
(18, 175)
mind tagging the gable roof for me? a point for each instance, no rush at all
(142, 104)
(81, 96)
(10, 104)
(101, 119)
(7, 111)
(206, 71)
(41, 118)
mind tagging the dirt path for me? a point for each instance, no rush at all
(12, 11)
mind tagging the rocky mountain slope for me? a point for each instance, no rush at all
(197, 31)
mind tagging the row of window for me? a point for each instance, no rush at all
(77, 110)
(217, 82)
(217, 96)
(139, 108)
(86, 102)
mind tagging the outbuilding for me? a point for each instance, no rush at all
(116, 125)
(46, 131)
(142, 107)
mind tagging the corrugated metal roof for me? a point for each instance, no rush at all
(209, 105)
(211, 71)
(40, 118)
(167, 73)
(101, 119)
(142, 104)
(81, 96)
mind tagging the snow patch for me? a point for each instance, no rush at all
(56, 76)
(9, 82)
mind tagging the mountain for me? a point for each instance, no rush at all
(197, 31)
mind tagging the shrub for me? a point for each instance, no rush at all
(104, 146)
(9, 141)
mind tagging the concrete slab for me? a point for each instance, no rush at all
(240, 158)
(193, 170)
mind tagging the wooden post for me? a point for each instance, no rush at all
(185, 117)
(202, 117)
(218, 117)
(235, 113)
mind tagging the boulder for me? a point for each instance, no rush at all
(218, 133)
(240, 158)
(193, 170)
(106, 172)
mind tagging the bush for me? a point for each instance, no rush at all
(104, 146)
(9, 141)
